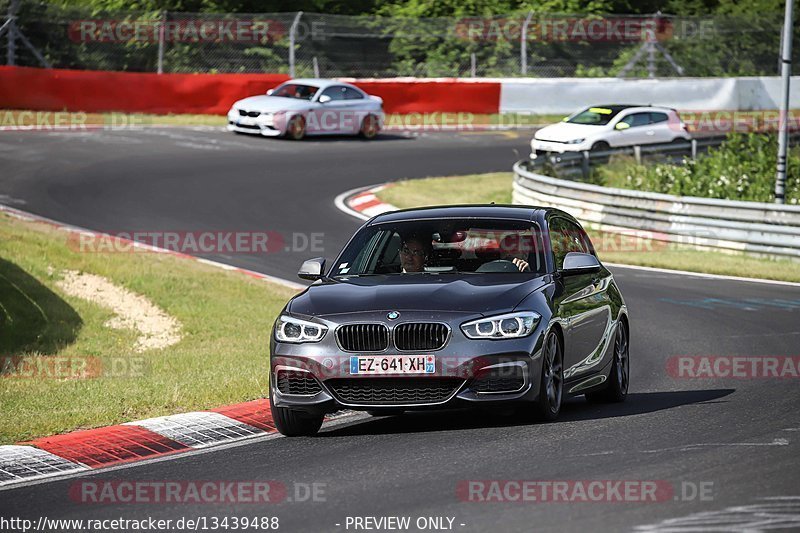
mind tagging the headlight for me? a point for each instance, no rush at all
(289, 329)
(575, 141)
(510, 326)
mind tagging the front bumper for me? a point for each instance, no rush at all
(266, 124)
(467, 372)
(539, 147)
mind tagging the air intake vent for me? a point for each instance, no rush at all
(393, 391)
(363, 337)
(420, 336)
(503, 379)
(301, 383)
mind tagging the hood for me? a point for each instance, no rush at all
(466, 293)
(271, 104)
(564, 131)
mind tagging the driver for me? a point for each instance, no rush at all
(513, 248)
(414, 253)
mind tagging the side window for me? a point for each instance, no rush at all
(655, 118)
(637, 119)
(566, 237)
(336, 92)
(352, 94)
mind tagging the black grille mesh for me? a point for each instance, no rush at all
(393, 391)
(420, 336)
(363, 337)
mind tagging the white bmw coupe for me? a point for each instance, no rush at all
(303, 107)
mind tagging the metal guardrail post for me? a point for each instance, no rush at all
(161, 37)
(694, 148)
(585, 167)
(473, 65)
(292, 34)
(14, 33)
(11, 51)
(637, 154)
(523, 45)
(783, 126)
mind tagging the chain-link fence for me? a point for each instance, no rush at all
(312, 44)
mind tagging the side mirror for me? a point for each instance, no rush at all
(269, 93)
(324, 99)
(312, 269)
(579, 263)
(622, 126)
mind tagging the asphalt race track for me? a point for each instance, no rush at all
(739, 439)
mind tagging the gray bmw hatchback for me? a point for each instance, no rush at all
(452, 306)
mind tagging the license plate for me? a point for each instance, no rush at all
(392, 364)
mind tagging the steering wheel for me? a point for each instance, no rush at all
(498, 265)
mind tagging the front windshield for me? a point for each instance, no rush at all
(295, 90)
(594, 116)
(443, 246)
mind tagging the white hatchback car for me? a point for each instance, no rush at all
(610, 126)
(303, 107)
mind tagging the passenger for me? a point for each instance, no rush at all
(414, 253)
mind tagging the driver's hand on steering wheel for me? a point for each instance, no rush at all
(521, 264)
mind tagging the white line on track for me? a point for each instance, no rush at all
(703, 275)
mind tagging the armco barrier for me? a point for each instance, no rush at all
(134, 92)
(131, 92)
(566, 95)
(436, 95)
(754, 227)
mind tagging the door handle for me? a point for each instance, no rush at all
(651, 132)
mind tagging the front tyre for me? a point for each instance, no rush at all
(619, 378)
(296, 128)
(551, 384)
(294, 423)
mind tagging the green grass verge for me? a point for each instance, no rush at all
(496, 187)
(472, 189)
(223, 357)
